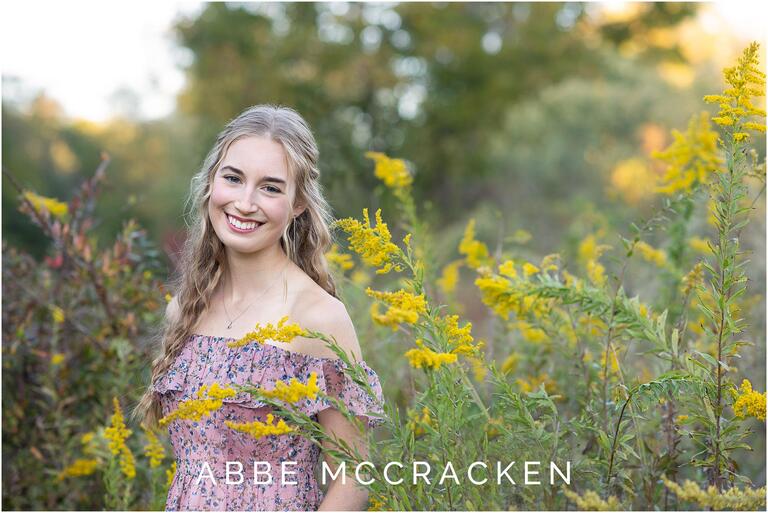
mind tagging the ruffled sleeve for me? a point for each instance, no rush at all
(333, 379)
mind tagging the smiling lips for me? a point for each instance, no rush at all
(241, 226)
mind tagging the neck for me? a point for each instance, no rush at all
(249, 275)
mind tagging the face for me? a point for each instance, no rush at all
(252, 195)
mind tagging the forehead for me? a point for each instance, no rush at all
(257, 156)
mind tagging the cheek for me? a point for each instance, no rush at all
(219, 196)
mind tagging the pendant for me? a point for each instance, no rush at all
(229, 325)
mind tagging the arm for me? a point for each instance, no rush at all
(351, 496)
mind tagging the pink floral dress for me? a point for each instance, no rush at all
(205, 359)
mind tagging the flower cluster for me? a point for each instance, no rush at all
(749, 402)
(373, 244)
(691, 158)
(392, 172)
(476, 252)
(417, 423)
(404, 307)
(258, 429)
(295, 391)
(80, 467)
(591, 501)
(154, 449)
(589, 253)
(341, 260)
(117, 434)
(734, 499)
(196, 409)
(281, 333)
(450, 277)
(651, 254)
(745, 81)
(423, 357)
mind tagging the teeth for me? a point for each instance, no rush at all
(242, 226)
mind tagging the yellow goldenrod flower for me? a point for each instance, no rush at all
(154, 449)
(295, 391)
(491, 429)
(423, 357)
(508, 269)
(681, 418)
(196, 409)
(591, 501)
(341, 260)
(632, 180)
(80, 467)
(392, 172)
(691, 158)
(529, 269)
(117, 434)
(651, 254)
(373, 244)
(613, 366)
(57, 313)
(360, 277)
(475, 251)
(57, 208)
(57, 358)
(169, 474)
(749, 402)
(479, 368)
(417, 423)
(404, 307)
(547, 262)
(745, 81)
(450, 277)
(748, 499)
(530, 332)
(596, 272)
(700, 245)
(457, 337)
(258, 429)
(168, 297)
(693, 279)
(281, 333)
(510, 363)
(533, 382)
(589, 252)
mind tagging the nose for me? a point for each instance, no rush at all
(246, 202)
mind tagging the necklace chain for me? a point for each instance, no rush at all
(231, 321)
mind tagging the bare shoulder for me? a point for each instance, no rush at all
(320, 311)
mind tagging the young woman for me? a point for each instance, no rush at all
(254, 254)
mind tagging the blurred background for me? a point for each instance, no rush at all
(540, 117)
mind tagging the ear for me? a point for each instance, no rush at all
(299, 210)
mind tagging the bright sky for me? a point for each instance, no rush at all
(80, 52)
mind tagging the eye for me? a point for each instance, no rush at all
(227, 177)
(274, 189)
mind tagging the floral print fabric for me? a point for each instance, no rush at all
(205, 359)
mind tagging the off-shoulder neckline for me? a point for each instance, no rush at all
(278, 348)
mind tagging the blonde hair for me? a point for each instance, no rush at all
(202, 262)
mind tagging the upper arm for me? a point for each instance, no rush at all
(172, 310)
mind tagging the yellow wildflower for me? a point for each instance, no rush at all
(281, 333)
(745, 80)
(295, 391)
(508, 269)
(596, 272)
(651, 254)
(170, 473)
(117, 434)
(700, 245)
(341, 260)
(168, 297)
(632, 180)
(479, 368)
(258, 429)
(404, 307)
(681, 418)
(591, 501)
(498, 293)
(613, 366)
(530, 332)
(154, 449)
(425, 357)
(749, 402)
(529, 269)
(589, 252)
(392, 172)
(57, 208)
(450, 277)
(547, 262)
(491, 429)
(533, 382)
(57, 358)
(691, 158)
(80, 467)
(475, 251)
(417, 423)
(693, 278)
(360, 277)
(510, 363)
(374, 245)
(196, 409)
(57, 313)
(748, 499)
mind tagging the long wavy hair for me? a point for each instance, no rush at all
(202, 263)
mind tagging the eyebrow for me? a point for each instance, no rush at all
(264, 179)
